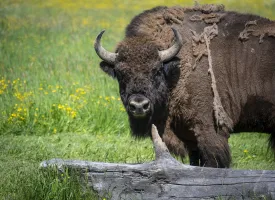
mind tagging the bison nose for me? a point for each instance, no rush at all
(139, 106)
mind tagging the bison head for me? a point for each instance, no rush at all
(145, 76)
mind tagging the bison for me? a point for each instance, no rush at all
(198, 74)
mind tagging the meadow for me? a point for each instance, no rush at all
(55, 102)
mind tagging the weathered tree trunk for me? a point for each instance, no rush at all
(166, 178)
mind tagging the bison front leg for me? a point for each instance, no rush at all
(213, 147)
(173, 143)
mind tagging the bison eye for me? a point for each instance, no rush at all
(158, 72)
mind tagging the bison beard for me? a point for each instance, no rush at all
(140, 127)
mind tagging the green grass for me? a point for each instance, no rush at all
(20, 156)
(56, 103)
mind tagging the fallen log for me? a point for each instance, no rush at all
(166, 178)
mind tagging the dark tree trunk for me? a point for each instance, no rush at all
(166, 178)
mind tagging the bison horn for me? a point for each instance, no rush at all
(168, 54)
(105, 55)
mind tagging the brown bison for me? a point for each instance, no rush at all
(218, 76)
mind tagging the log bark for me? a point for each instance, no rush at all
(166, 178)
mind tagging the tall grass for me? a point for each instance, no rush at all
(55, 101)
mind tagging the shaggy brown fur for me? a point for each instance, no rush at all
(261, 30)
(221, 80)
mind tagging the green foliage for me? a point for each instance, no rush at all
(55, 101)
(21, 178)
(48, 184)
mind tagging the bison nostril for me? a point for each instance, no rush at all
(132, 107)
(146, 106)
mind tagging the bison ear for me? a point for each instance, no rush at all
(172, 71)
(108, 68)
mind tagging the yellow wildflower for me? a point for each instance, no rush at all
(245, 151)
(107, 98)
(80, 91)
(73, 114)
(60, 106)
(19, 96)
